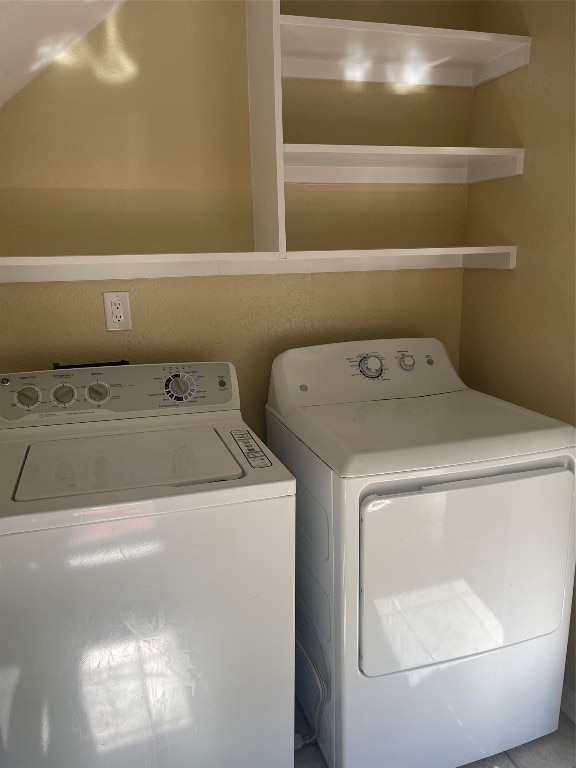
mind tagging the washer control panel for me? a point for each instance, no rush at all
(87, 394)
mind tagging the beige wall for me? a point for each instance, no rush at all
(248, 320)
(161, 163)
(341, 216)
(518, 328)
(138, 142)
(452, 14)
(350, 112)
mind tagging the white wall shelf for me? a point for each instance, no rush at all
(41, 269)
(324, 48)
(349, 164)
(331, 49)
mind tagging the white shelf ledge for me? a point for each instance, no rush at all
(500, 257)
(35, 269)
(351, 164)
(40, 269)
(330, 49)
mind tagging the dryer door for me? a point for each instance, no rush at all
(461, 568)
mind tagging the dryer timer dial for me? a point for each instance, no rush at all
(370, 366)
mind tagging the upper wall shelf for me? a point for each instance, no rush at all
(321, 48)
(350, 164)
(31, 269)
(331, 49)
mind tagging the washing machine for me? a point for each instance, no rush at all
(146, 573)
(435, 555)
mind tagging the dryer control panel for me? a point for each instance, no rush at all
(116, 392)
(359, 371)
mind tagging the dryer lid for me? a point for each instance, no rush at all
(381, 436)
(168, 457)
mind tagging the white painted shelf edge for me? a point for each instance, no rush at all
(355, 164)
(334, 49)
(33, 269)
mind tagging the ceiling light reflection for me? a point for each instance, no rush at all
(9, 677)
(49, 49)
(437, 623)
(108, 555)
(111, 529)
(357, 71)
(136, 689)
(112, 65)
(45, 728)
(411, 70)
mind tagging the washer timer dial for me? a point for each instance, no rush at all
(63, 395)
(28, 397)
(98, 392)
(180, 387)
(370, 366)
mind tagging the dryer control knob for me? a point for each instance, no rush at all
(370, 366)
(28, 397)
(407, 362)
(63, 395)
(98, 392)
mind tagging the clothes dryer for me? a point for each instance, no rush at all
(435, 554)
(146, 573)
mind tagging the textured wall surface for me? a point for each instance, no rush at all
(137, 141)
(247, 320)
(518, 327)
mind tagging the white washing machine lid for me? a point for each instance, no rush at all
(74, 466)
(403, 434)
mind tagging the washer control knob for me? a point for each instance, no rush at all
(98, 392)
(370, 366)
(28, 397)
(407, 362)
(180, 387)
(63, 395)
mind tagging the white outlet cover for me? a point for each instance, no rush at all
(111, 300)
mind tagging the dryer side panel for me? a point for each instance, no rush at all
(317, 606)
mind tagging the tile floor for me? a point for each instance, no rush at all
(558, 750)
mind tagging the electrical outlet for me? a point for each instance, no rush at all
(117, 311)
